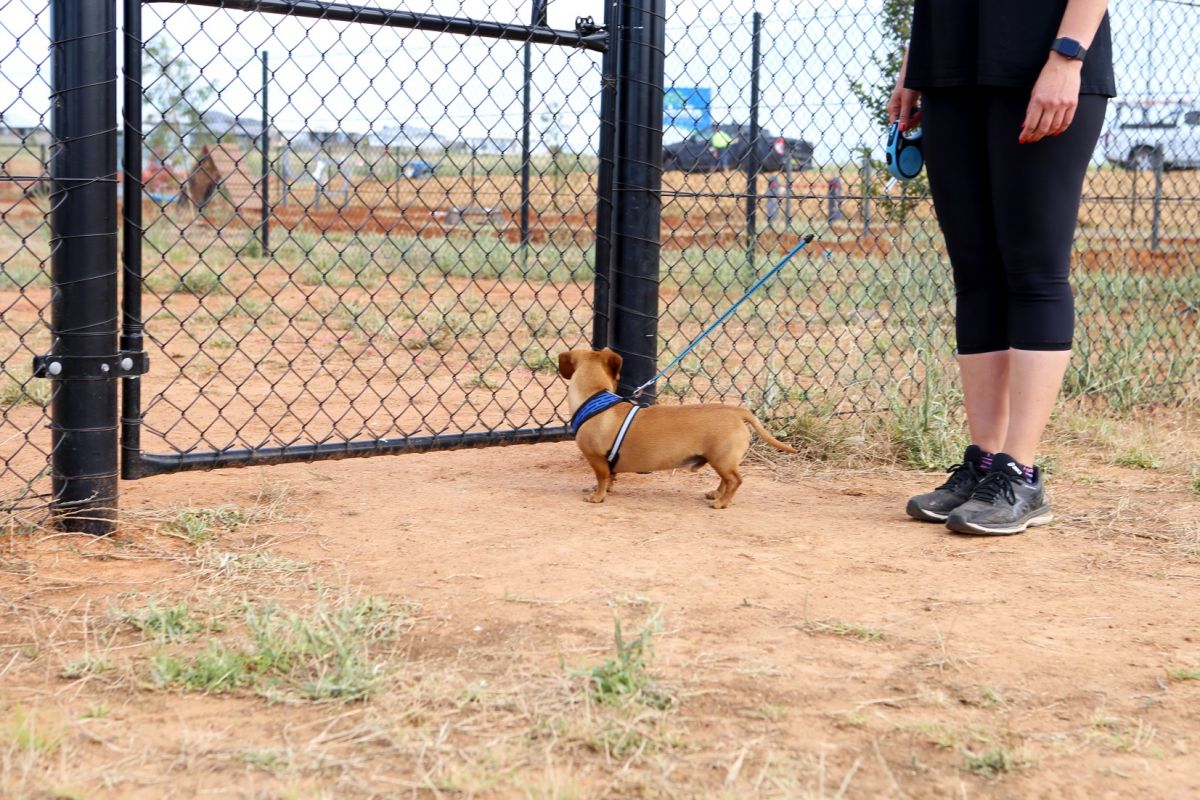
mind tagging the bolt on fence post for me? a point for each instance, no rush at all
(83, 263)
(752, 164)
(634, 217)
(265, 147)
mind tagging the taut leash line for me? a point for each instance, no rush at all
(753, 288)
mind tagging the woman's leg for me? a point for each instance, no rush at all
(959, 179)
(985, 382)
(1037, 190)
(1034, 380)
(955, 141)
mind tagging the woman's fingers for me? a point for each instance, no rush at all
(1067, 118)
(905, 109)
(1054, 123)
(1033, 121)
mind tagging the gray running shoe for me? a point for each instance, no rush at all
(936, 506)
(1003, 503)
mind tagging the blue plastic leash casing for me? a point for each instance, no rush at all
(904, 153)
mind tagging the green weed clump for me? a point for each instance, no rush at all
(625, 677)
(201, 524)
(991, 763)
(1138, 458)
(337, 652)
(174, 623)
(927, 431)
(21, 389)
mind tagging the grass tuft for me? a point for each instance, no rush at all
(84, 667)
(25, 734)
(172, 624)
(21, 389)
(201, 524)
(339, 651)
(1138, 458)
(991, 763)
(625, 678)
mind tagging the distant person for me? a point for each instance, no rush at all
(774, 193)
(721, 141)
(1011, 96)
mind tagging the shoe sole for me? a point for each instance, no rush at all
(1040, 517)
(924, 515)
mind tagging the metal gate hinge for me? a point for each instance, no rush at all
(123, 364)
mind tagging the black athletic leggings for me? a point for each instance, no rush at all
(1008, 213)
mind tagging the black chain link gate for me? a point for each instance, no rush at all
(373, 238)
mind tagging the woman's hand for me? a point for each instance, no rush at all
(1054, 99)
(904, 105)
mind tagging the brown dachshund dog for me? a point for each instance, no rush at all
(660, 437)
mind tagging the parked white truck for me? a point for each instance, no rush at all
(1140, 133)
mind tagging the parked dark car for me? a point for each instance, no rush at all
(696, 153)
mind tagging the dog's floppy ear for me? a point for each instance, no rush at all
(612, 362)
(566, 364)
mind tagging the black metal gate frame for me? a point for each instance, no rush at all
(87, 359)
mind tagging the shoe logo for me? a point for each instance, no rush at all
(1016, 470)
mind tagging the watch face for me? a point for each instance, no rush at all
(1068, 47)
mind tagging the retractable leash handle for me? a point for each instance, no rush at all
(904, 152)
(728, 312)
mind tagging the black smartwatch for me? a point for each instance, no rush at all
(1069, 48)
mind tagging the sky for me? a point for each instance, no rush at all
(358, 78)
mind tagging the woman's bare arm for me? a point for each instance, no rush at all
(1056, 93)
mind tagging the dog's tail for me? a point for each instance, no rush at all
(758, 427)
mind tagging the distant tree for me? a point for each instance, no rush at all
(895, 23)
(175, 94)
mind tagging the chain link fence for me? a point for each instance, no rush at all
(25, 247)
(867, 319)
(359, 232)
(355, 230)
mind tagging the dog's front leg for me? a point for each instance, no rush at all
(603, 478)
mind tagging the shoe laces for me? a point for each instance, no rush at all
(993, 486)
(960, 474)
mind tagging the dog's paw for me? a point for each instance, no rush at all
(721, 504)
(711, 495)
(595, 497)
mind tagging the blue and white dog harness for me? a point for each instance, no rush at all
(600, 402)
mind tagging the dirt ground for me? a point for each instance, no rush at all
(813, 641)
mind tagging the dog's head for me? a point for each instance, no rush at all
(591, 368)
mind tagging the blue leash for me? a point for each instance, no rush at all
(754, 288)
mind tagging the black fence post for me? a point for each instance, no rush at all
(752, 163)
(636, 206)
(265, 146)
(1156, 212)
(131, 253)
(539, 19)
(607, 152)
(83, 265)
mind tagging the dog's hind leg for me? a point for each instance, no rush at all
(730, 481)
(717, 492)
(603, 478)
